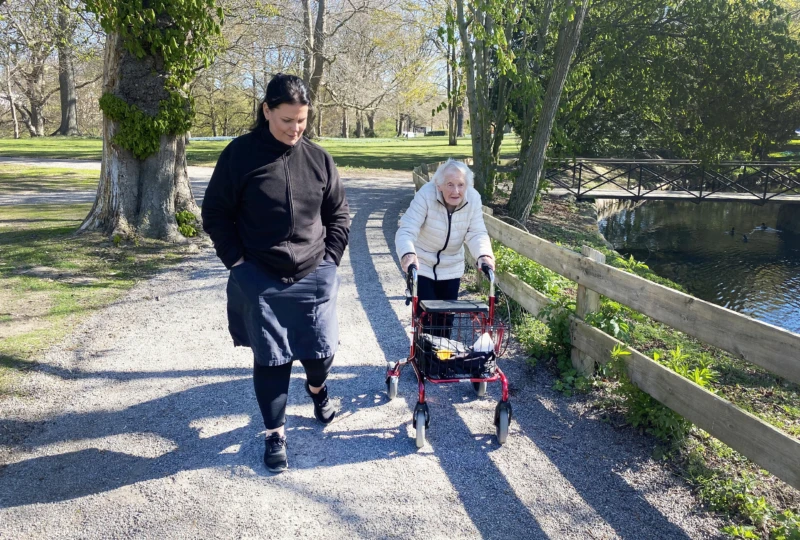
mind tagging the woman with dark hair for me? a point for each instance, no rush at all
(276, 211)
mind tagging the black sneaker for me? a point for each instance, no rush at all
(323, 408)
(275, 453)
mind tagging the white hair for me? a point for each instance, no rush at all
(449, 165)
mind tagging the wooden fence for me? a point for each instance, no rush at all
(772, 348)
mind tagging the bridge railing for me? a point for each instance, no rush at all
(756, 181)
(770, 347)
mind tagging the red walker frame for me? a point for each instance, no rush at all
(503, 411)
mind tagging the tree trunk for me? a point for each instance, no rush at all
(359, 124)
(345, 124)
(529, 110)
(452, 140)
(139, 196)
(308, 42)
(460, 122)
(501, 114)
(371, 124)
(478, 108)
(525, 188)
(25, 116)
(66, 75)
(317, 62)
(256, 99)
(14, 118)
(451, 94)
(36, 98)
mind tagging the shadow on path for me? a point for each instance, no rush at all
(169, 429)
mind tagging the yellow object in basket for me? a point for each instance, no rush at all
(444, 354)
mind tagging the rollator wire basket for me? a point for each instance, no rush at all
(457, 345)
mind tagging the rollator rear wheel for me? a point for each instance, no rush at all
(392, 384)
(503, 422)
(420, 425)
(480, 388)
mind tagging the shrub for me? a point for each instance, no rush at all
(186, 223)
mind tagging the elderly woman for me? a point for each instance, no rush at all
(443, 216)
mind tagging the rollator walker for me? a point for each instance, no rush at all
(453, 341)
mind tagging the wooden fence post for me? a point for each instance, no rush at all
(587, 301)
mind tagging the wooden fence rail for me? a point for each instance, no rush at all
(772, 348)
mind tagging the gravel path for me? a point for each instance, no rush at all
(143, 424)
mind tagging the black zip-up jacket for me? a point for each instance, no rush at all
(281, 207)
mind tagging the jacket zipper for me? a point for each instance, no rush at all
(291, 208)
(447, 238)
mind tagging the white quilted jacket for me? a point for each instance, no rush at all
(437, 237)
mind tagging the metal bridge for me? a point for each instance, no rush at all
(661, 179)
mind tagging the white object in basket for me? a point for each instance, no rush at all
(484, 343)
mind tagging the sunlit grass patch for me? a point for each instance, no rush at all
(50, 279)
(392, 154)
(22, 178)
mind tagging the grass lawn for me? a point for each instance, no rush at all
(790, 152)
(15, 179)
(393, 154)
(51, 279)
(52, 148)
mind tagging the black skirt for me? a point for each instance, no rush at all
(282, 322)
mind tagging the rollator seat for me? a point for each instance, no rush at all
(453, 306)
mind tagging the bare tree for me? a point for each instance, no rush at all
(30, 26)
(9, 65)
(67, 24)
(37, 29)
(326, 24)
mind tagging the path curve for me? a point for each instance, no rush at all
(144, 424)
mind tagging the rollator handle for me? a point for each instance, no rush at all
(411, 283)
(486, 269)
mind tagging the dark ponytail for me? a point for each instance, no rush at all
(282, 89)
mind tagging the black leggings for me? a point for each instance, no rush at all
(272, 386)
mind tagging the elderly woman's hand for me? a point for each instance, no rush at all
(485, 259)
(407, 260)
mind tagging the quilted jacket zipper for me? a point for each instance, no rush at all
(447, 238)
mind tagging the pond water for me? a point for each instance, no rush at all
(692, 244)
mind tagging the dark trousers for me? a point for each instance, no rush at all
(429, 289)
(272, 386)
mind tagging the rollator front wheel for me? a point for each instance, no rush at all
(420, 425)
(392, 384)
(480, 388)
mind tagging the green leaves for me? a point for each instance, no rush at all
(186, 223)
(141, 133)
(182, 33)
(700, 79)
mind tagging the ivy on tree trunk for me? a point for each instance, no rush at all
(153, 49)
